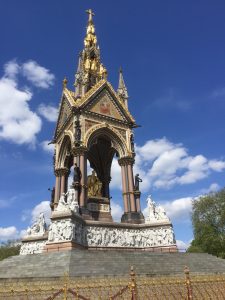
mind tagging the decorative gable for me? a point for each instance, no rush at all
(105, 105)
(64, 114)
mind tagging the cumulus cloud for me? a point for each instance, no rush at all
(42, 207)
(37, 75)
(116, 211)
(181, 245)
(11, 69)
(179, 209)
(49, 112)
(116, 182)
(214, 187)
(217, 165)
(163, 164)
(7, 233)
(18, 123)
(49, 148)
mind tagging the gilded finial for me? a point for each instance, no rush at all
(65, 81)
(90, 15)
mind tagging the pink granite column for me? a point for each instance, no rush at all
(124, 186)
(57, 188)
(131, 187)
(64, 172)
(138, 195)
(83, 169)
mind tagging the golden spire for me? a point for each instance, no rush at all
(90, 69)
(90, 39)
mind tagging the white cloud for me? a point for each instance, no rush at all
(179, 209)
(42, 207)
(153, 148)
(145, 211)
(11, 69)
(116, 211)
(116, 182)
(162, 164)
(18, 123)
(217, 165)
(37, 75)
(46, 147)
(33, 214)
(7, 233)
(181, 245)
(49, 112)
(23, 233)
(214, 187)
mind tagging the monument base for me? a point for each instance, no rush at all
(69, 231)
(133, 218)
(61, 246)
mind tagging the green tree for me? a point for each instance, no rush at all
(208, 219)
(9, 248)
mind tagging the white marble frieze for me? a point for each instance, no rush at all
(98, 236)
(32, 247)
(127, 237)
(65, 230)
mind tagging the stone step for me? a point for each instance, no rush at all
(101, 263)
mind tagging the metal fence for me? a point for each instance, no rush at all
(128, 288)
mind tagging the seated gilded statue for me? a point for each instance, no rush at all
(94, 185)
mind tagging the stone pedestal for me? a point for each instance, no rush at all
(99, 209)
(133, 218)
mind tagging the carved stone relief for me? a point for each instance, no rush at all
(120, 237)
(32, 247)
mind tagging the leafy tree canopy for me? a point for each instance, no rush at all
(9, 248)
(208, 219)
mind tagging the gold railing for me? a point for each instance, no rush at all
(112, 288)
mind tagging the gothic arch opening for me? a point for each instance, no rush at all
(103, 145)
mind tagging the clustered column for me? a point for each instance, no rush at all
(126, 164)
(60, 183)
(80, 158)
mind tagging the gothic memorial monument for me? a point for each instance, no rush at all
(94, 124)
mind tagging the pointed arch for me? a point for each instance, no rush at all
(105, 130)
(64, 157)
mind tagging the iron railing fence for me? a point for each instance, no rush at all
(109, 288)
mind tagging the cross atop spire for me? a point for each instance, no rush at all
(90, 14)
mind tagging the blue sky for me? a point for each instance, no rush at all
(173, 57)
